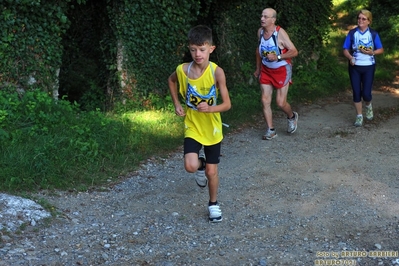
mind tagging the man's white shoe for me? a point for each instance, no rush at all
(293, 123)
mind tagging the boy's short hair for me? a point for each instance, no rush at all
(200, 35)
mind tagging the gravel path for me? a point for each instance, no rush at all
(325, 195)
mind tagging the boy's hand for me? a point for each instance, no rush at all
(179, 111)
(203, 107)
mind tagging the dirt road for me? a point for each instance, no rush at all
(327, 194)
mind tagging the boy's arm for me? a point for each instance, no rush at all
(224, 93)
(172, 82)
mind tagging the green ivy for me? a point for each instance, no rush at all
(386, 22)
(153, 37)
(236, 24)
(86, 75)
(131, 48)
(31, 33)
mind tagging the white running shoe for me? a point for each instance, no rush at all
(200, 176)
(292, 123)
(270, 134)
(359, 121)
(369, 113)
(215, 214)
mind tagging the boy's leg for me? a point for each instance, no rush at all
(212, 154)
(192, 162)
(214, 211)
(191, 151)
(211, 172)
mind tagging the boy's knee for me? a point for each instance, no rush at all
(191, 168)
(212, 176)
(211, 173)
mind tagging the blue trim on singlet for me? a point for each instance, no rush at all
(193, 98)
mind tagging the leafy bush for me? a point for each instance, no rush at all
(87, 72)
(30, 47)
(151, 44)
(237, 37)
(330, 78)
(386, 22)
(52, 144)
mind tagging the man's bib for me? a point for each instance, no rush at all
(270, 46)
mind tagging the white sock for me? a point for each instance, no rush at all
(368, 106)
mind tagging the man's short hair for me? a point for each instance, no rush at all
(200, 35)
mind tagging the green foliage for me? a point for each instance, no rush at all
(111, 48)
(93, 98)
(30, 47)
(385, 69)
(385, 18)
(129, 48)
(152, 39)
(386, 22)
(297, 16)
(332, 78)
(51, 144)
(86, 74)
(245, 102)
(236, 23)
(235, 26)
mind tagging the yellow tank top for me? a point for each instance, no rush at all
(206, 128)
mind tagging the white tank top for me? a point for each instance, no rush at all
(270, 46)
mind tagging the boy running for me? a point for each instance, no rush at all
(200, 82)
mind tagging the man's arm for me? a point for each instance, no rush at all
(258, 58)
(284, 41)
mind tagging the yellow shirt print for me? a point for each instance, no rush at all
(206, 128)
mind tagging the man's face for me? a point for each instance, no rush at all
(266, 18)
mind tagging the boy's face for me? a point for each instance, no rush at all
(200, 53)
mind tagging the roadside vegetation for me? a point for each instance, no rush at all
(55, 144)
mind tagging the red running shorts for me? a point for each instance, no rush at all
(277, 77)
